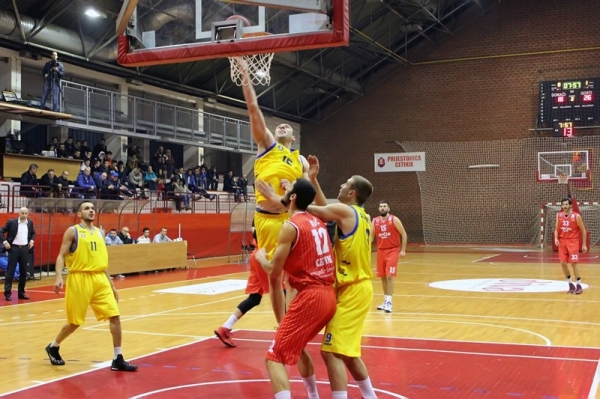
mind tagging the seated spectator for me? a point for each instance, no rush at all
(85, 148)
(132, 163)
(53, 187)
(85, 164)
(191, 182)
(98, 148)
(136, 182)
(112, 238)
(86, 185)
(63, 182)
(213, 178)
(118, 189)
(145, 238)
(162, 236)
(62, 151)
(180, 190)
(180, 174)
(125, 236)
(150, 179)
(103, 186)
(29, 182)
(76, 154)
(105, 167)
(69, 146)
(242, 183)
(230, 186)
(96, 166)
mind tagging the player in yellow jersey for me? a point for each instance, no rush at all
(352, 248)
(84, 254)
(278, 165)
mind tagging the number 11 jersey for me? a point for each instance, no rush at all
(88, 253)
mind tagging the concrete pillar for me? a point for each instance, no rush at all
(114, 144)
(10, 79)
(248, 167)
(200, 108)
(192, 156)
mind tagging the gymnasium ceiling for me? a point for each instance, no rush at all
(316, 86)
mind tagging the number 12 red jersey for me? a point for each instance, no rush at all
(311, 260)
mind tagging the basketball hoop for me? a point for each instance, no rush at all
(258, 66)
(562, 179)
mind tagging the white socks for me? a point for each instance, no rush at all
(311, 387)
(230, 322)
(339, 395)
(388, 298)
(283, 395)
(117, 351)
(366, 389)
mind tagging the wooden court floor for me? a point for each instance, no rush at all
(505, 296)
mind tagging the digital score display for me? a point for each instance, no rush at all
(568, 104)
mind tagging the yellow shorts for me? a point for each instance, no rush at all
(344, 332)
(267, 229)
(89, 289)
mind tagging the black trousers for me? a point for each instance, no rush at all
(16, 254)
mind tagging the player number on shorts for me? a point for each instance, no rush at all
(93, 246)
(322, 244)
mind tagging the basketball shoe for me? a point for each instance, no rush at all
(224, 335)
(387, 307)
(382, 306)
(119, 364)
(578, 290)
(571, 288)
(54, 356)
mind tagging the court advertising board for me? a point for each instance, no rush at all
(400, 162)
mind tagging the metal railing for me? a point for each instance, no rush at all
(105, 110)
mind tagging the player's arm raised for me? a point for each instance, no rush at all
(274, 267)
(260, 133)
(312, 173)
(402, 231)
(342, 214)
(584, 247)
(65, 248)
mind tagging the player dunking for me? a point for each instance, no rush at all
(352, 248)
(387, 230)
(569, 226)
(279, 166)
(304, 251)
(84, 253)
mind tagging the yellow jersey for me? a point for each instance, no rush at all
(353, 251)
(88, 253)
(277, 163)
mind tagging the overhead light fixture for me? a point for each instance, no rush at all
(93, 13)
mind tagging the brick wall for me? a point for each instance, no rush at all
(457, 100)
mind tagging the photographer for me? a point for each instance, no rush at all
(53, 72)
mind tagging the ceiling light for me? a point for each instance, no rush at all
(93, 13)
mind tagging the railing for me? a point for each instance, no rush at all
(117, 113)
(16, 196)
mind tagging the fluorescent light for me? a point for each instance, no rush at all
(92, 13)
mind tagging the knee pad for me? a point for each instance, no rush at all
(250, 302)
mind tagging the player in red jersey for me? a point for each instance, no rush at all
(569, 226)
(305, 253)
(387, 230)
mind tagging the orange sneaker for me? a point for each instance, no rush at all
(224, 335)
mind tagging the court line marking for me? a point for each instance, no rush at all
(542, 337)
(392, 394)
(95, 369)
(447, 340)
(484, 258)
(495, 298)
(595, 382)
(399, 348)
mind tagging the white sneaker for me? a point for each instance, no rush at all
(387, 307)
(382, 306)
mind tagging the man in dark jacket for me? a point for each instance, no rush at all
(18, 243)
(52, 72)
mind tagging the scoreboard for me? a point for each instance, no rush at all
(570, 103)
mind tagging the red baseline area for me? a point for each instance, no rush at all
(398, 367)
(338, 36)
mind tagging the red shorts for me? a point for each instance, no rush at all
(308, 314)
(258, 281)
(568, 250)
(387, 262)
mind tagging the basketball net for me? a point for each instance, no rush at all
(258, 68)
(563, 179)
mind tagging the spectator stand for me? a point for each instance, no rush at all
(240, 223)
(52, 216)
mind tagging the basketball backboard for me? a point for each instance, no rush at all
(574, 164)
(174, 32)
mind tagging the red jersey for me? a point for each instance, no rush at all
(311, 261)
(388, 236)
(568, 229)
